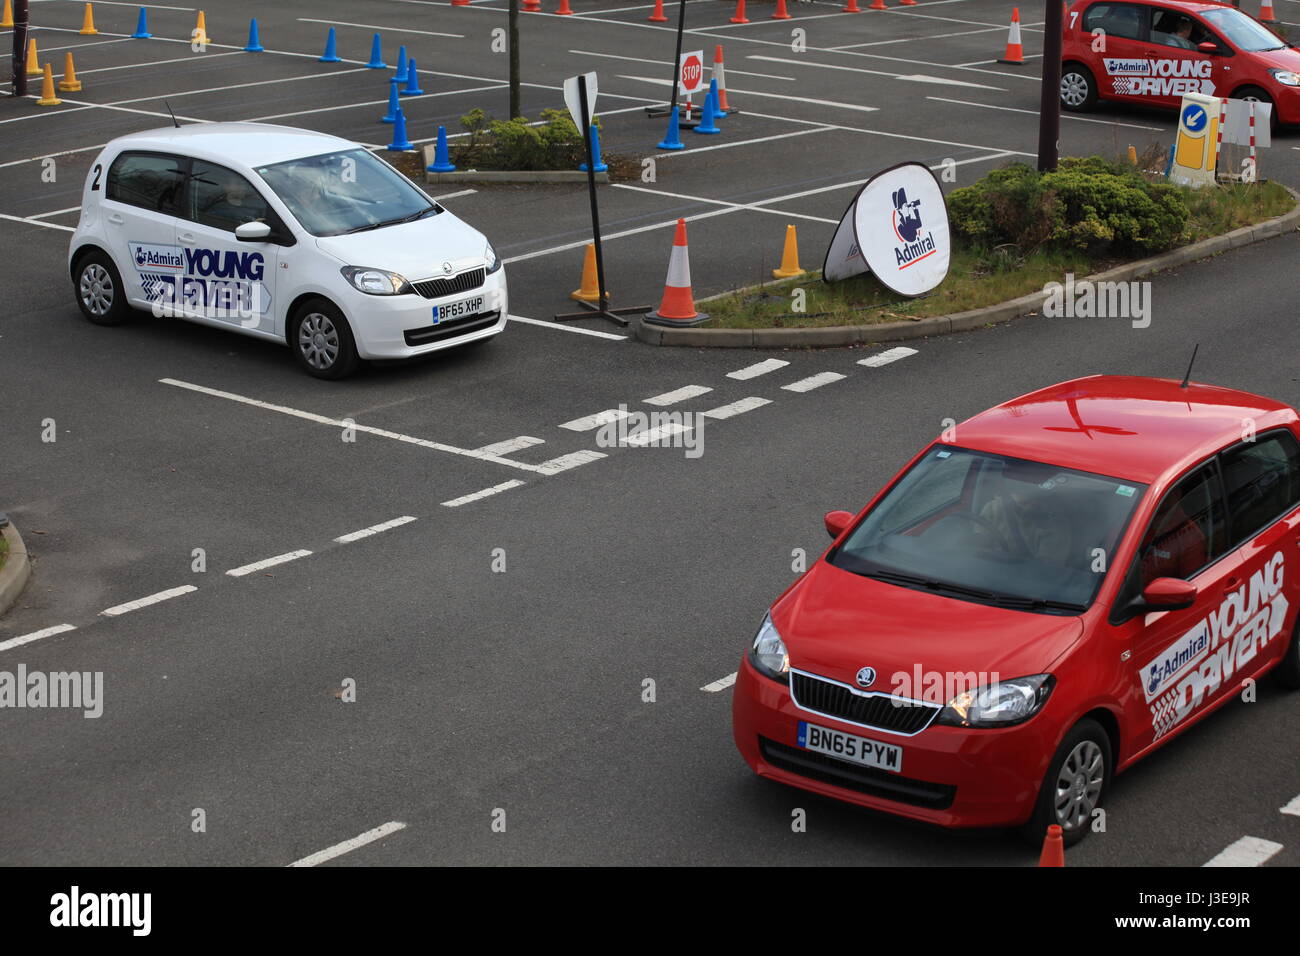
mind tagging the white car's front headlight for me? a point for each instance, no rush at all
(492, 259)
(376, 281)
(1002, 704)
(768, 653)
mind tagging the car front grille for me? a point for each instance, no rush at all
(868, 780)
(451, 328)
(897, 715)
(437, 288)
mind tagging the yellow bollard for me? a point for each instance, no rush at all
(7, 18)
(590, 288)
(789, 256)
(33, 67)
(47, 89)
(200, 34)
(88, 23)
(69, 83)
(1132, 155)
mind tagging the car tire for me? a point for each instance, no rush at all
(1078, 88)
(1083, 763)
(99, 290)
(322, 341)
(1287, 673)
(1260, 96)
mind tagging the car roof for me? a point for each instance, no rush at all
(1196, 6)
(249, 144)
(1125, 426)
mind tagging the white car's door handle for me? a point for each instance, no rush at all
(187, 238)
(115, 219)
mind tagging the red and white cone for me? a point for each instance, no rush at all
(678, 305)
(720, 74)
(1015, 52)
(1053, 848)
(1266, 14)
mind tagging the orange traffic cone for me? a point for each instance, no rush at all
(1266, 14)
(69, 83)
(907, 3)
(589, 291)
(47, 89)
(88, 23)
(200, 34)
(781, 12)
(1053, 848)
(7, 18)
(658, 15)
(789, 256)
(532, 6)
(1015, 52)
(33, 67)
(720, 74)
(678, 305)
(740, 13)
(852, 7)
(878, 5)
(564, 10)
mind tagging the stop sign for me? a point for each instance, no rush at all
(690, 72)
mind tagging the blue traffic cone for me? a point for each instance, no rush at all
(400, 143)
(441, 159)
(400, 75)
(393, 108)
(674, 138)
(601, 165)
(718, 111)
(142, 26)
(254, 41)
(376, 57)
(331, 54)
(412, 87)
(708, 124)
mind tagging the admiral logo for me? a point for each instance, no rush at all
(157, 257)
(1116, 67)
(1175, 659)
(906, 221)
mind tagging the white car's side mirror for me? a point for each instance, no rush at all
(252, 232)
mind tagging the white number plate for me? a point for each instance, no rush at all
(859, 750)
(458, 309)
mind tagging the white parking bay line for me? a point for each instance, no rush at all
(1293, 808)
(757, 369)
(510, 445)
(588, 422)
(267, 563)
(146, 601)
(374, 529)
(561, 327)
(22, 639)
(486, 492)
(720, 684)
(347, 846)
(678, 395)
(652, 436)
(1248, 851)
(571, 460)
(813, 381)
(737, 408)
(887, 356)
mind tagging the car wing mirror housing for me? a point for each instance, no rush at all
(1208, 47)
(837, 521)
(252, 232)
(1168, 594)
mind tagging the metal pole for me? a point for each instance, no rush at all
(677, 58)
(20, 48)
(515, 109)
(591, 187)
(1049, 106)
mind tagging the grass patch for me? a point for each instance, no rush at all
(4, 551)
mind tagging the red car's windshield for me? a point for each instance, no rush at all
(1243, 32)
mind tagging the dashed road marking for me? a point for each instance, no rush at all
(146, 601)
(757, 369)
(887, 356)
(1293, 808)
(486, 492)
(267, 563)
(510, 445)
(571, 460)
(720, 684)
(652, 436)
(678, 395)
(1248, 851)
(347, 846)
(374, 529)
(813, 381)
(588, 422)
(22, 639)
(737, 408)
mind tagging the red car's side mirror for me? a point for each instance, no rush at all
(1208, 47)
(1169, 594)
(837, 521)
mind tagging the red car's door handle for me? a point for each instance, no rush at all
(1231, 584)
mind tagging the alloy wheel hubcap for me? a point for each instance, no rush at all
(1074, 89)
(1078, 785)
(96, 289)
(318, 340)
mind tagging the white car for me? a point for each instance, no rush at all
(298, 237)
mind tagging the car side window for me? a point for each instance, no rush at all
(152, 181)
(1188, 532)
(223, 199)
(1170, 28)
(1261, 480)
(1123, 20)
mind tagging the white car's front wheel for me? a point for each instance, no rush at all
(322, 341)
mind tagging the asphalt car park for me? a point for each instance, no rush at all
(523, 689)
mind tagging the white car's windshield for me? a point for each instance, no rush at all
(347, 191)
(992, 529)
(1243, 32)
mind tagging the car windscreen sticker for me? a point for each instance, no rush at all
(1125, 490)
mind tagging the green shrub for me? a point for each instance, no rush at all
(518, 144)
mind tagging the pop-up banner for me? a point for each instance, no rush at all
(896, 227)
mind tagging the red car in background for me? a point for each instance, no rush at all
(1034, 603)
(1153, 53)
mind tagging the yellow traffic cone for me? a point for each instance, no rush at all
(69, 83)
(1133, 155)
(590, 289)
(47, 89)
(200, 34)
(33, 67)
(88, 23)
(7, 19)
(789, 257)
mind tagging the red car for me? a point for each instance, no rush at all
(1153, 53)
(1038, 600)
